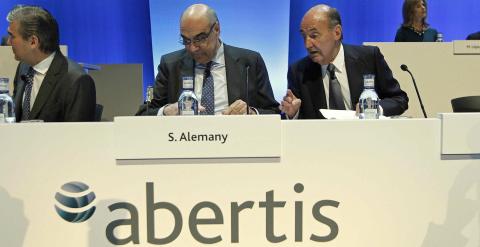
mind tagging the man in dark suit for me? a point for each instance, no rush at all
(47, 86)
(210, 61)
(308, 79)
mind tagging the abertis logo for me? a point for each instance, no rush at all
(74, 202)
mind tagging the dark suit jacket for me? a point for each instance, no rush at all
(305, 81)
(175, 65)
(67, 93)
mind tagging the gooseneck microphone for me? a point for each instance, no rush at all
(247, 68)
(405, 68)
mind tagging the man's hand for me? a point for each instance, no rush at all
(239, 107)
(171, 110)
(290, 104)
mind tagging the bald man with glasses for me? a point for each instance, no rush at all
(219, 71)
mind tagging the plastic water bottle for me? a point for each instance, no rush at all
(439, 37)
(369, 101)
(187, 102)
(7, 107)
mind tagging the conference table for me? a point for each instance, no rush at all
(242, 181)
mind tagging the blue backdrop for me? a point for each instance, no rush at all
(99, 31)
(378, 20)
(119, 31)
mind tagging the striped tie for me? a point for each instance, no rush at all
(27, 94)
(208, 92)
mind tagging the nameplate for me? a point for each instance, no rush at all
(466, 47)
(197, 137)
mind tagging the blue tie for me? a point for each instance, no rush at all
(27, 93)
(208, 92)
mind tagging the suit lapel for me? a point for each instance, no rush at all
(314, 83)
(235, 77)
(354, 73)
(19, 90)
(48, 85)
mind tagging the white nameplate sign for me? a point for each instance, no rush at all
(465, 47)
(197, 137)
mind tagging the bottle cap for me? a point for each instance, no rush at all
(187, 82)
(4, 84)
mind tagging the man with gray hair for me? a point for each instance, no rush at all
(219, 71)
(331, 76)
(47, 86)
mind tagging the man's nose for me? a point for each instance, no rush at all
(192, 47)
(308, 42)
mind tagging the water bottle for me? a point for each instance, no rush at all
(7, 107)
(439, 37)
(369, 101)
(187, 102)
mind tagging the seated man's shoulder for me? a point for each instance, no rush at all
(302, 64)
(361, 48)
(361, 51)
(75, 73)
(74, 67)
(174, 56)
(240, 51)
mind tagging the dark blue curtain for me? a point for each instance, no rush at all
(100, 31)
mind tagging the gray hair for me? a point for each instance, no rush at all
(333, 18)
(36, 21)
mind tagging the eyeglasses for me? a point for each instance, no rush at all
(200, 39)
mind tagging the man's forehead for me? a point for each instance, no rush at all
(194, 30)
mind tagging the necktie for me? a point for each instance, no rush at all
(27, 94)
(208, 94)
(335, 92)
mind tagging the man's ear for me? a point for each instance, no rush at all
(34, 41)
(338, 32)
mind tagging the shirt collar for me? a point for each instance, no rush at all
(43, 66)
(338, 62)
(219, 57)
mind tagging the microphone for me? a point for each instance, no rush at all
(247, 68)
(405, 68)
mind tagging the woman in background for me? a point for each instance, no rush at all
(415, 27)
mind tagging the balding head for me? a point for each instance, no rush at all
(323, 12)
(200, 32)
(199, 12)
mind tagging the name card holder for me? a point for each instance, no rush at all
(466, 47)
(197, 137)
